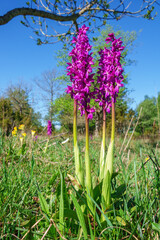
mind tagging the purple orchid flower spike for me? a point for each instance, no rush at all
(80, 72)
(110, 72)
(49, 128)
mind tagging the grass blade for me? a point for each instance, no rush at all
(43, 204)
(61, 206)
(80, 216)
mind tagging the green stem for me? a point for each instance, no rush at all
(78, 162)
(88, 164)
(104, 127)
(113, 122)
(106, 187)
(103, 146)
(75, 122)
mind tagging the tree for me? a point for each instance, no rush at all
(19, 97)
(6, 115)
(148, 123)
(16, 109)
(71, 14)
(158, 110)
(63, 107)
(50, 87)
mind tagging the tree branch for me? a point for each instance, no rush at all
(35, 12)
(64, 12)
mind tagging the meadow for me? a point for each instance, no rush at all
(39, 198)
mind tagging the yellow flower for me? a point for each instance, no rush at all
(15, 129)
(21, 127)
(24, 134)
(33, 132)
(21, 139)
(14, 133)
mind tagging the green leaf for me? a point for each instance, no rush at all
(70, 214)
(104, 216)
(43, 204)
(61, 206)
(39, 42)
(36, 32)
(119, 191)
(106, 191)
(97, 191)
(80, 216)
(121, 221)
(90, 228)
(156, 227)
(24, 23)
(114, 174)
(53, 178)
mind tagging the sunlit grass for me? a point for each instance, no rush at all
(30, 177)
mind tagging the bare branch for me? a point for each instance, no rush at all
(34, 12)
(71, 14)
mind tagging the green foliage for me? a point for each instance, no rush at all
(61, 205)
(149, 118)
(63, 107)
(15, 110)
(80, 216)
(6, 115)
(33, 194)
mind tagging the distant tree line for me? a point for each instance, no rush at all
(15, 109)
(149, 122)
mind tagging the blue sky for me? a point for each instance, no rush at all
(22, 60)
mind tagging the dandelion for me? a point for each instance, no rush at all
(15, 129)
(24, 134)
(14, 132)
(21, 127)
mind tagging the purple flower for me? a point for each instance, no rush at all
(80, 72)
(49, 128)
(35, 138)
(110, 72)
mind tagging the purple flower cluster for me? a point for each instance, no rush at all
(49, 128)
(35, 138)
(110, 72)
(80, 72)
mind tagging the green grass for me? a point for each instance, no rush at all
(38, 199)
